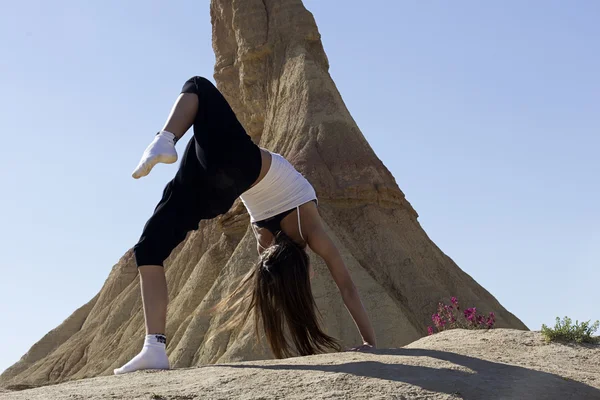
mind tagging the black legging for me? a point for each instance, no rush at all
(219, 164)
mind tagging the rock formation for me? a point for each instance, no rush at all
(271, 66)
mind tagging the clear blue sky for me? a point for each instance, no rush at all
(487, 114)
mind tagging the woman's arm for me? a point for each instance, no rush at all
(321, 244)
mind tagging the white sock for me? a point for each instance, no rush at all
(152, 356)
(161, 150)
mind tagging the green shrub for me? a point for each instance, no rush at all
(565, 331)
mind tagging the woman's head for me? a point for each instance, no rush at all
(279, 293)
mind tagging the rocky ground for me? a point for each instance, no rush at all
(458, 364)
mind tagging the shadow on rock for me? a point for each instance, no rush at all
(489, 380)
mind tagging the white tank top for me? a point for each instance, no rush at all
(282, 189)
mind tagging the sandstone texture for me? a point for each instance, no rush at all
(497, 364)
(271, 66)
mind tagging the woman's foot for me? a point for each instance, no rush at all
(161, 150)
(152, 356)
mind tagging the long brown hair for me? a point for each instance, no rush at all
(278, 292)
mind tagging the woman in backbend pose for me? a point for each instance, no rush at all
(220, 164)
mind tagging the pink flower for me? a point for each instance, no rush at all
(436, 320)
(429, 330)
(470, 313)
(491, 320)
(454, 302)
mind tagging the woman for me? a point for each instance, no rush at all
(220, 164)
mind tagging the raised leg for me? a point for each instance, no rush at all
(162, 147)
(182, 115)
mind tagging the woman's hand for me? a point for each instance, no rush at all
(365, 347)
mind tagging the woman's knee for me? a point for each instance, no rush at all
(145, 254)
(197, 84)
(154, 248)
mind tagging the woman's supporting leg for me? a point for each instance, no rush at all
(162, 148)
(154, 299)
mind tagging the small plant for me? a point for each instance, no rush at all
(449, 316)
(565, 331)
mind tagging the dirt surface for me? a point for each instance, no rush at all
(498, 364)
